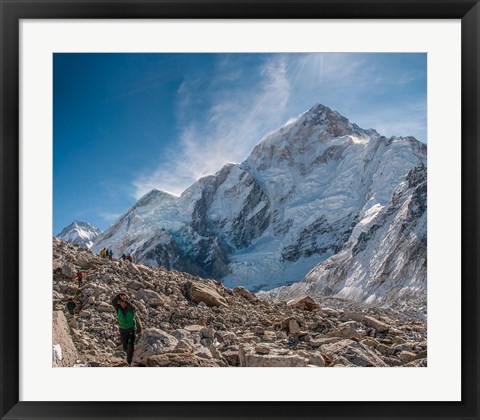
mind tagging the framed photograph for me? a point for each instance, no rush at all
(232, 209)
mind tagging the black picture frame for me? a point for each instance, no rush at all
(12, 11)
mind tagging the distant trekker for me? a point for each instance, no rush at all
(103, 253)
(80, 278)
(71, 306)
(110, 254)
(128, 322)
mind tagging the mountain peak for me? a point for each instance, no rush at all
(80, 233)
(154, 196)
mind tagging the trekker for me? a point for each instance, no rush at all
(123, 257)
(110, 254)
(71, 306)
(79, 278)
(128, 322)
(103, 252)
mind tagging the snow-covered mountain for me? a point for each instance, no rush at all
(385, 259)
(304, 192)
(80, 233)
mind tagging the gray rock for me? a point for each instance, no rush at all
(208, 332)
(150, 297)
(354, 352)
(407, 356)
(241, 291)
(385, 350)
(68, 270)
(248, 358)
(262, 349)
(180, 334)
(152, 342)
(293, 328)
(203, 292)
(62, 339)
(105, 307)
(304, 302)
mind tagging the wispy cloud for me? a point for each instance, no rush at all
(223, 113)
(109, 217)
(236, 119)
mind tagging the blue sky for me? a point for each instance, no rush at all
(127, 123)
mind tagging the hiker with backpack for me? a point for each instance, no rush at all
(128, 322)
(110, 254)
(71, 306)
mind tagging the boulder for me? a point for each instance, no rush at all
(179, 360)
(269, 335)
(262, 349)
(239, 290)
(417, 363)
(317, 342)
(385, 350)
(369, 321)
(132, 268)
(152, 342)
(370, 342)
(203, 352)
(329, 312)
(231, 356)
(68, 270)
(214, 351)
(248, 358)
(185, 344)
(105, 307)
(345, 331)
(207, 332)
(64, 350)
(202, 292)
(293, 327)
(150, 297)
(180, 334)
(372, 322)
(354, 352)
(134, 285)
(316, 359)
(85, 262)
(305, 303)
(407, 356)
(193, 328)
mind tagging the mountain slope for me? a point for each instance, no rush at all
(294, 202)
(385, 259)
(80, 233)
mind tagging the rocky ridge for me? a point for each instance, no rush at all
(190, 321)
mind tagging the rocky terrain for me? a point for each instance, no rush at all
(190, 321)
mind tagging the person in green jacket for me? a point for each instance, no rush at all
(128, 322)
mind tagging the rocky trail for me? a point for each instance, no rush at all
(189, 321)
